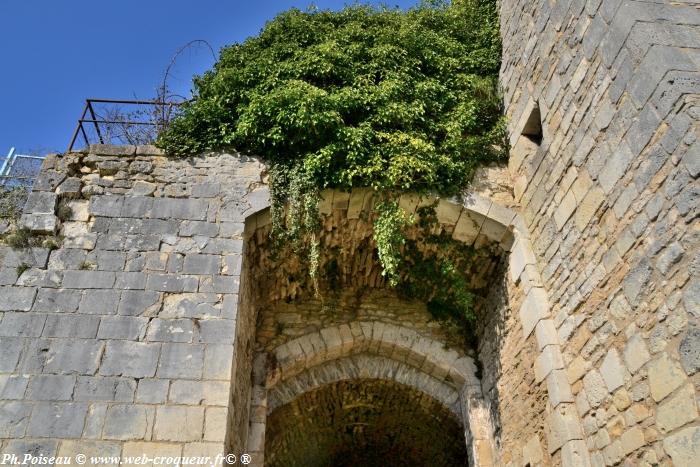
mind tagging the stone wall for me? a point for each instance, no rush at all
(609, 193)
(509, 377)
(120, 341)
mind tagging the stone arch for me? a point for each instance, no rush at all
(477, 220)
(373, 351)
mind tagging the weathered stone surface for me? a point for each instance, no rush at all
(684, 446)
(689, 351)
(97, 388)
(73, 356)
(181, 361)
(636, 353)
(51, 388)
(125, 358)
(665, 375)
(16, 298)
(179, 423)
(534, 308)
(57, 420)
(612, 370)
(125, 422)
(677, 410)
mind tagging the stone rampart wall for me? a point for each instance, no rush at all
(120, 341)
(610, 198)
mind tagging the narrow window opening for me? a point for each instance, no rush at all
(533, 127)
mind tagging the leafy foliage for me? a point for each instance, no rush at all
(371, 97)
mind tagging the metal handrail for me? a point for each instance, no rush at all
(95, 121)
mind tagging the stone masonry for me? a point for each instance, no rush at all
(155, 327)
(610, 197)
(121, 340)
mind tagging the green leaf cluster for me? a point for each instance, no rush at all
(400, 101)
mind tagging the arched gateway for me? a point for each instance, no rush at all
(359, 374)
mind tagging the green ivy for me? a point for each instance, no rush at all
(399, 101)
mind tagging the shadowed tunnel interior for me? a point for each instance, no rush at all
(364, 422)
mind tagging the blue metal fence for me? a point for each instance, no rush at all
(19, 170)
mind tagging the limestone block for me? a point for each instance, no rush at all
(216, 331)
(521, 255)
(565, 210)
(357, 202)
(333, 342)
(177, 423)
(202, 264)
(112, 149)
(181, 361)
(596, 390)
(48, 180)
(130, 281)
(17, 298)
(41, 203)
(563, 425)
(98, 301)
(189, 209)
(171, 283)
(97, 388)
(189, 392)
(88, 279)
(39, 223)
(170, 330)
(665, 375)
(468, 226)
(689, 350)
(549, 359)
(631, 440)
(152, 391)
(575, 453)
(70, 356)
(33, 447)
(588, 207)
(558, 388)
(546, 334)
(127, 422)
(613, 370)
(448, 211)
(215, 424)
(677, 410)
(219, 284)
(532, 451)
(14, 416)
(13, 386)
(636, 353)
(684, 446)
(218, 361)
(126, 358)
(325, 204)
(138, 207)
(51, 388)
(21, 324)
(57, 420)
(534, 308)
(71, 326)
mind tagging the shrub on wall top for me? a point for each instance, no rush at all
(374, 97)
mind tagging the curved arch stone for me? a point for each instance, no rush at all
(422, 362)
(394, 342)
(362, 366)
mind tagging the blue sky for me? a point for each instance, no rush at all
(54, 54)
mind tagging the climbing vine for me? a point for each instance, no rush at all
(399, 101)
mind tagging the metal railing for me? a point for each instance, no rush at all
(19, 170)
(115, 121)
